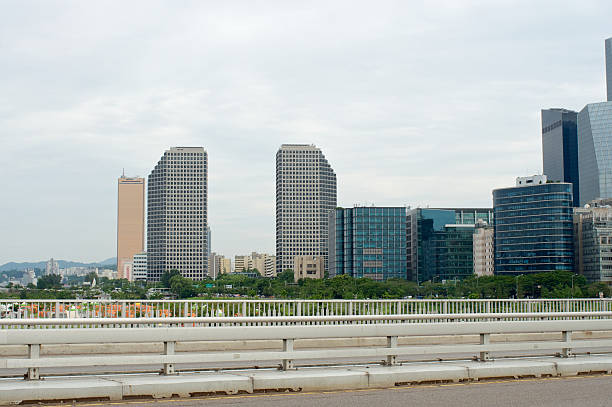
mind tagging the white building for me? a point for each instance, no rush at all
(139, 269)
(52, 267)
(484, 260)
(28, 277)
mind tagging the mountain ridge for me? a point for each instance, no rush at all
(62, 264)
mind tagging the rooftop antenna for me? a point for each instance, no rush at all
(123, 173)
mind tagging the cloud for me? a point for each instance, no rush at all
(412, 103)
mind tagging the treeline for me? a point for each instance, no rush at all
(543, 285)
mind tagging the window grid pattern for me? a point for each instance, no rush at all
(305, 195)
(177, 196)
(533, 228)
(368, 242)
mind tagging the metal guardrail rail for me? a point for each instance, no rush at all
(85, 309)
(170, 335)
(165, 322)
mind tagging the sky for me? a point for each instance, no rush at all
(420, 103)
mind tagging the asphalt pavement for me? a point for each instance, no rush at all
(592, 391)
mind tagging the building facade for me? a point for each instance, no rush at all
(305, 194)
(440, 242)
(593, 241)
(595, 151)
(265, 264)
(241, 263)
(484, 261)
(608, 45)
(219, 265)
(533, 227)
(368, 242)
(130, 220)
(178, 214)
(308, 267)
(225, 266)
(139, 270)
(560, 148)
(52, 267)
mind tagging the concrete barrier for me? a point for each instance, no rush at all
(116, 387)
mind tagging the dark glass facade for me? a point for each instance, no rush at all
(560, 148)
(440, 242)
(368, 242)
(533, 228)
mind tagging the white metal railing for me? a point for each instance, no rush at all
(392, 331)
(43, 309)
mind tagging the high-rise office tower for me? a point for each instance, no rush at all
(595, 151)
(305, 194)
(595, 143)
(533, 226)
(560, 148)
(177, 217)
(130, 220)
(609, 68)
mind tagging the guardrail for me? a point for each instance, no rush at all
(169, 335)
(42, 309)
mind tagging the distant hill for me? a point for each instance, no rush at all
(62, 264)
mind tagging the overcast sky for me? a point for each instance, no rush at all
(413, 103)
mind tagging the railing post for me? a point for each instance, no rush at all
(287, 364)
(391, 343)
(485, 339)
(33, 353)
(169, 350)
(566, 336)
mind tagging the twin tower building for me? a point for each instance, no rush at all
(177, 232)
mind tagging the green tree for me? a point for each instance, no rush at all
(182, 287)
(49, 281)
(167, 276)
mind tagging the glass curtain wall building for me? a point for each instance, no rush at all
(595, 151)
(609, 69)
(560, 148)
(368, 242)
(533, 227)
(440, 242)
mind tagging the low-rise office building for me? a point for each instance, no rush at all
(440, 242)
(265, 264)
(593, 241)
(368, 242)
(139, 267)
(533, 226)
(308, 267)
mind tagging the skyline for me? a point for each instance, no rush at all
(382, 92)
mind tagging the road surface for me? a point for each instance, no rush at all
(591, 391)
